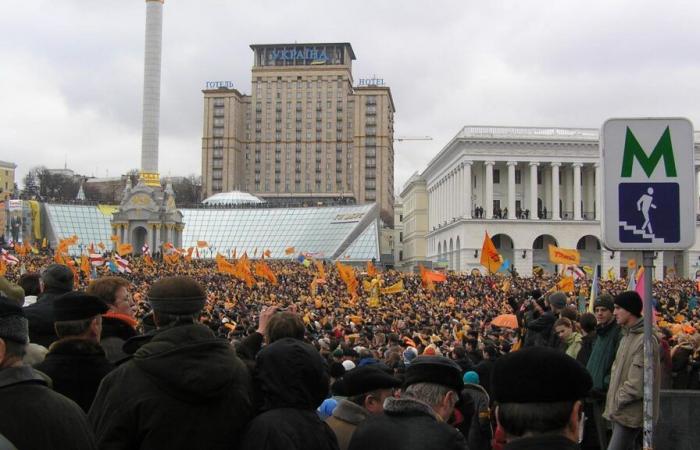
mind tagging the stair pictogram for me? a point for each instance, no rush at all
(641, 233)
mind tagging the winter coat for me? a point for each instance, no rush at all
(540, 331)
(484, 369)
(544, 441)
(623, 403)
(344, 421)
(480, 432)
(603, 355)
(572, 345)
(185, 388)
(407, 424)
(40, 317)
(32, 416)
(587, 342)
(292, 380)
(116, 329)
(76, 368)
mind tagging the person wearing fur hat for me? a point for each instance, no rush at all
(539, 394)
(366, 388)
(76, 362)
(599, 366)
(32, 414)
(624, 401)
(184, 387)
(418, 419)
(57, 280)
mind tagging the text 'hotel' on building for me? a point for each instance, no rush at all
(306, 134)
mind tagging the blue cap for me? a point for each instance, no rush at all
(471, 377)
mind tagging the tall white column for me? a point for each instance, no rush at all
(577, 190)
(468, 189)
(589, 192)
(533, 190)
(598, 187)
(511, 189)
(488, 195)
(555, 191)
(151, 86)
(453, 195)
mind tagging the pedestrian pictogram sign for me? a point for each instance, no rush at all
(648, 191)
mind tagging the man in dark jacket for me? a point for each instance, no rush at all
(418, 419)
(539, 393)
(118, 323)
(76, 362)
(185, 388)
(366, 388)
(480, 432)
(540, 331)
(57, 280)
(31, 414)
(599, 366)
(292, 378)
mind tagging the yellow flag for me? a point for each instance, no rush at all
(44, 243)
(564, 255)
(394, 288)
(490, 258)
(124, 249)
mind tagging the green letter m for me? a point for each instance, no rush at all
(634, 150)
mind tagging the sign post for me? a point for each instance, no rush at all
(648, 205)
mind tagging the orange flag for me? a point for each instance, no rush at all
(490, 258)
(124, 249)
(3, 267)
(263, 271)
(425, 280)
(267, 253)
(202, 244)
(347, 274)
(289, 250)
(101, 246)
(114, 238)
(564, 255)
(566, 284)
(321, 270)
(58, 258)
(149, 261)
(85, 266)
(371, 270)
(243, 272)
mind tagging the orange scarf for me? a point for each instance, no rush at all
(123, 317)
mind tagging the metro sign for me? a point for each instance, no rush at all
(648, 184)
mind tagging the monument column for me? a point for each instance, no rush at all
(577, 190)
(488, 195)
(511, 189)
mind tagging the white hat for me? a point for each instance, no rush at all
(348, 365)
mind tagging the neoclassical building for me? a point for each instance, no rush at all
(527, 187)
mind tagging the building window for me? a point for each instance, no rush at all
(400, 236)
(496, 176)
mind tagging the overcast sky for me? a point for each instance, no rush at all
(71, 71)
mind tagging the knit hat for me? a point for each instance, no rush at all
(179, 296)
(434, 369)
(348, 365)
(365, 379)
(13, 324)
(631, 301)
(557, 300)
(604, 301)
(539, 375)
(471, 377)
(58, 276)
(77, 306)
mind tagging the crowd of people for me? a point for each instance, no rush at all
(183, 356)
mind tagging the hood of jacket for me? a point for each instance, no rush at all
(291, 374)
(189, 362)
(637, 328)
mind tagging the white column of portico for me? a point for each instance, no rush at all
(442, 201)
(555, 191)
(460, 191)
(533, 190)
(488, 195)
(467, 175)
(577, 190)
(511, 189)
(598, 187)
(453, 194)
(589, 191)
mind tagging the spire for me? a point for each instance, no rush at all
(81, 194)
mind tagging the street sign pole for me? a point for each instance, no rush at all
(648, 264)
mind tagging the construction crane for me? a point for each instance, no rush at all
(413, 138)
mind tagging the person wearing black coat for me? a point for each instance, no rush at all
(32, 416)
(76, 363)
(293, 380)
(57, 279)
(184, 387)
(417, 420)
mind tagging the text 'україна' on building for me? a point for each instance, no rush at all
(305, 135)
(528, 187)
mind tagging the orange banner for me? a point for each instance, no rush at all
(490, 258)
(564, 255)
